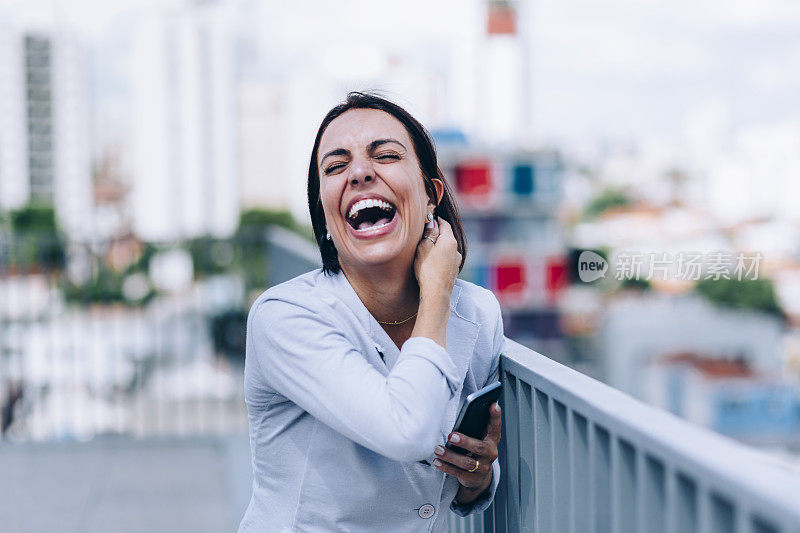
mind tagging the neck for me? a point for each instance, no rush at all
(388, 295)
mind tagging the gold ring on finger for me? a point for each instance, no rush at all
(474, 468)
(429, 238)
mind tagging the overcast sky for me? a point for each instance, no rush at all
(616, 70)
(645, 68)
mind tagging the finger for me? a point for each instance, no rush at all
(468, 479)
(446, 230)
(495, 423)
(449, 469)
(426, 241)
(479, 447)
(456, 459)
(444, 226)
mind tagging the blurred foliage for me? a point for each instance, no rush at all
(253, 221)
(104, 287)
(34, 218)
(38, 244)
(251, 248)
(211, 255)
(635, 284)
(106, 284)
(605, 200)
(753, 294)
(142, 264)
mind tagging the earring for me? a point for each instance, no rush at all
(328, 235)
(430, 217)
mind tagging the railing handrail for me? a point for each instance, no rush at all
(723, 463)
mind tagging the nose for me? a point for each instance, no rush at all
(360, 172)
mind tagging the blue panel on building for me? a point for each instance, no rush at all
(523, 179)
(758, 409)
(448, 136)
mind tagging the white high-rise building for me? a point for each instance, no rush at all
(44, 123)
(504, 79)
(184, 125)
(14, 182)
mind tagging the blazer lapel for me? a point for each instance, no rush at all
(462, 334)
(341, 287)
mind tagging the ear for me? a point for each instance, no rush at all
(437, 183)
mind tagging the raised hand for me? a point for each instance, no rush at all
(436, 265)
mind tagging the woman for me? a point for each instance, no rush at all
(355, 372)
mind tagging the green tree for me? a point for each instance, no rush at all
(211, 255)
(34, 218)
(260, 218)
(251, 248)
(605, 200)
(253, 221)
(38, 242)
(635, 284)
(753, 294)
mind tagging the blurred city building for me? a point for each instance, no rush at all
(508, 192)
(727, 394)
(638, 331)
(184, 178)
(509, 202)
(44, 123)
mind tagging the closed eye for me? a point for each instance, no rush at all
(334, 167)
(386, 157)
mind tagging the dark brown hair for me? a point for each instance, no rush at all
(426, 154)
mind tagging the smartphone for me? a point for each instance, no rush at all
(473, 420)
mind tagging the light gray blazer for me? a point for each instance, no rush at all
(337, 431)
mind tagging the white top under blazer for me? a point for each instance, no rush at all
(337, 430)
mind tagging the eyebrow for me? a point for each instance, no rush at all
(338, 151)
(372, 147)
(374, 144)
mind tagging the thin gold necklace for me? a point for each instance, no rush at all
(397, 323)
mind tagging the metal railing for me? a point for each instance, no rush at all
(579, 456)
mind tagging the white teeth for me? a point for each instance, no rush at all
(374, 227)
(369, 202)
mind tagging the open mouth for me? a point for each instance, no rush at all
(370, 214)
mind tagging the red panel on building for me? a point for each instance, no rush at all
(557, 276)
(473, 178)
(501, 19)
(510, 280)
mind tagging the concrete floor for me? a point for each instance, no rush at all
(119, 484)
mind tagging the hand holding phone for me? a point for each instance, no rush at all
(473, 420)
(478, 430)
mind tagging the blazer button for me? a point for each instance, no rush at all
(426, 511)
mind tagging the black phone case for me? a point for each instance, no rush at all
(475, 421)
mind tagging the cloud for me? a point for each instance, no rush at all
(634, 69)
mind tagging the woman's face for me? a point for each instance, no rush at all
(371, 189)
